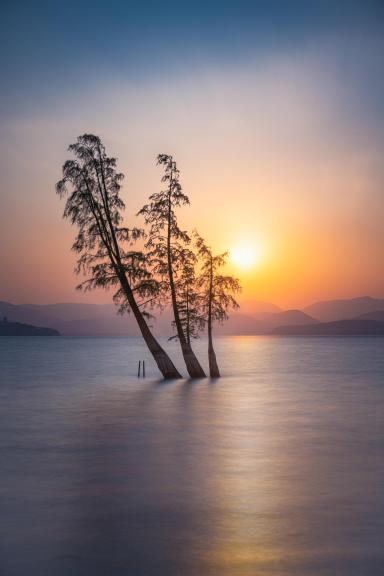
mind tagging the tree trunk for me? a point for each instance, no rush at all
(163, 361)
(188, 333)
(191, 362)
(213, 367)
(108, 236)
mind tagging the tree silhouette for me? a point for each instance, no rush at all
(217, 291)
(166, 245)
(189, 298)
(92, 187)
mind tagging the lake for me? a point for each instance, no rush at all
(275, 469)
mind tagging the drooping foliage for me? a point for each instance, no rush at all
(95, 206)
(189, 298)
(167, 244)
(217, 292)
(92, 187)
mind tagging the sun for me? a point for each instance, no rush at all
(245, 256)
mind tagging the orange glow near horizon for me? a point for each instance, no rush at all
(297, 203)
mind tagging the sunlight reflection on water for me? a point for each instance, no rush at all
(276, 470)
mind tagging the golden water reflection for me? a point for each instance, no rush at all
(276, 471)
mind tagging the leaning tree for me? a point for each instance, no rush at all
(166, 245)
(92, 186)
(217, 291)
(189, 298)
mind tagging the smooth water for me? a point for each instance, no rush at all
(275, 469)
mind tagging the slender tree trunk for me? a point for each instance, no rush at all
(163, 361)
(191, 362)
(188, 334)
(213, 367)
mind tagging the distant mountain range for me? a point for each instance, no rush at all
(18, 329)
(377, 315)
(337, 328)
(253, 318)
(263, 323)
(331, 310)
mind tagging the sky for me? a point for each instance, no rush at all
(273, 110)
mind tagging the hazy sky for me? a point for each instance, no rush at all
(274, 111)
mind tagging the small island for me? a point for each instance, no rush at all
(18, 329)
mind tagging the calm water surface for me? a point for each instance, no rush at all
(275, 469)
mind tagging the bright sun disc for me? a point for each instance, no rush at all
(244, 256)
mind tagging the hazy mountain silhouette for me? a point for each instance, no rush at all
(286, 317)
(251, 307)
(337, 328)
(18, 329)
(330, 310)
(240, 324)
(68, 311)
(29, 314)
(103, 320)
(77, 319)
(263, 323)
(377, 315)
(73, 319)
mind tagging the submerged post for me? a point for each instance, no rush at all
(138, 372)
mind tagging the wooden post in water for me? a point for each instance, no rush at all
(138, 372)
(143, 368)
